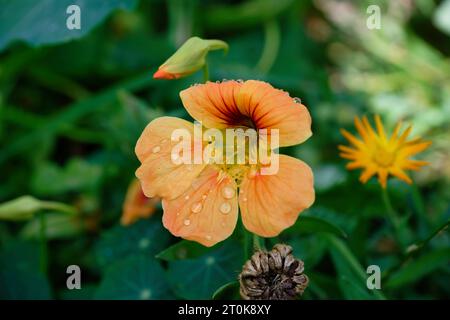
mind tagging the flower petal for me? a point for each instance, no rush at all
(160, 176)
(271, 203)
(251, 104)
(271, 108)
(136, 204)
(212, 103)
(207, 212)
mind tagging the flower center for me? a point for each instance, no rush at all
(383, 157)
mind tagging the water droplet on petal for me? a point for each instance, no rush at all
(240, 81)
(228, 192)
(186, 198)
(208, 237)
(204, 196)
(187, 222)
(156, 149)
(225, 208)
(196, 207)
(245, 199)
(178, 213)
(297, 100)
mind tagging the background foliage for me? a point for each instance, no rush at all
(73, 103)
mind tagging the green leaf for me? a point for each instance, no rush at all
(349, 270)
(77, 175)
(199, 278)
(183, 250)
(24, 208)
(44, 22)
(419, 268)
(229, 291)
(135, 277)
(309, 224)
(145, 236)
(20, 277)
(57, 226)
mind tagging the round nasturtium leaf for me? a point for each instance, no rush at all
(45, 21)
(199, 278)
(145, 236)
(137, 277)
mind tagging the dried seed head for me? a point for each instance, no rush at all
(274, 275)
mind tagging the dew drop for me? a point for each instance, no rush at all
(156, 149)
(225, 208)
(297, 100)
(208, 237)
(186, 198)
(245, 199)
(204, 196)
(228, 192)
(196, 207)
(187, 222)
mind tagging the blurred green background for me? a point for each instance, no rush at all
(74, 102)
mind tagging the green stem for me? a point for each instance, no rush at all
(258, 243)
(271, 46)
(392, 214)
(43, 254)
(205, 72)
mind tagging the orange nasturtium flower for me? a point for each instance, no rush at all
(136, 205)
(200, 201)
(378, 154)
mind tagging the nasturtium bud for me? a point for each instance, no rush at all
(189, 58)
(25, 207)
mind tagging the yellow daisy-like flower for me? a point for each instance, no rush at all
(378, 154)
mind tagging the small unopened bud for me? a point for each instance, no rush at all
(189, 58)
(273, 275)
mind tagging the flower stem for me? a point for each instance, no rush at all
(205, 72)
(43, 254)
(258, 243)
(271, 46)
(392, 214)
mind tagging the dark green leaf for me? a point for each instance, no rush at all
(349, 270)
(20, 277)
(199, 278)
(44, 22)
(183, 250)
(145, 236)
(229, 291)
(309, 224)
(135, 277)
(419, 268)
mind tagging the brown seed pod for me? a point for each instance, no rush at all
(273, 275)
